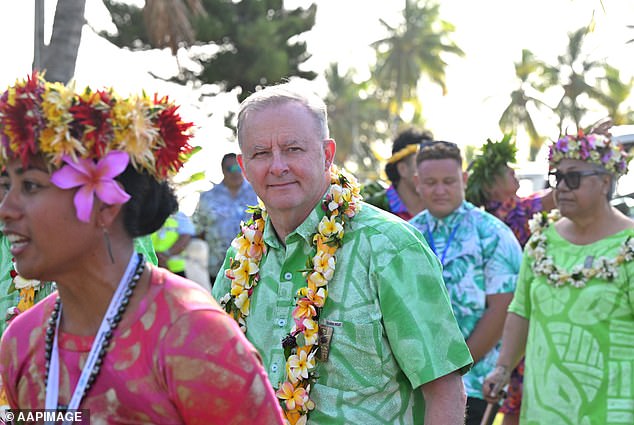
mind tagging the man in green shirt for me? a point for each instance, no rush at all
(353, 292)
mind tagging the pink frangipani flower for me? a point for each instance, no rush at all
(93, 179)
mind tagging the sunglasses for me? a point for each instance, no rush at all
(235, 168)
(572, 178)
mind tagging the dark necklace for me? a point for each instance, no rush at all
(52, 325)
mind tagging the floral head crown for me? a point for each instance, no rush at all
(95, 133)
(50, 119)
(595, 148)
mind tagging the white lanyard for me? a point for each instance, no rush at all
(52, 386)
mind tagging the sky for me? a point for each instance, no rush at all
(491, 32)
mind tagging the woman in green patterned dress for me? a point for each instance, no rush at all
(573, 311)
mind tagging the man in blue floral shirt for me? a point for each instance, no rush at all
(480, 257)
(220, 210)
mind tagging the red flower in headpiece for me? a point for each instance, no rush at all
(174, 133)
(94, 115)
(23, 116)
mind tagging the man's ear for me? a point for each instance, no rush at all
(330, 147)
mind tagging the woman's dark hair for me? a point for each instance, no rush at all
(405, 138)
(151, 202)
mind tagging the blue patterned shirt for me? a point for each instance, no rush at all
(218, 215)
(481, 257)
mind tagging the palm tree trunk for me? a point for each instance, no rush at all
(38, 35)
(60, 55)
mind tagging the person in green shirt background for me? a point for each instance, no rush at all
(171, 240)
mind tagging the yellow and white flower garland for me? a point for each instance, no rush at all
(27, 288)
(606, 268)
(340, 204)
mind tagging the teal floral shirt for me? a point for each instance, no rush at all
(480, 257)
(393, 328)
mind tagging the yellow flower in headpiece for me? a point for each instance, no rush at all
(134, 131)
(56, 138)
(53, 120)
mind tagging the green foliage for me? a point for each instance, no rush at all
(488, 165)
(130, 28)
(414, 49)
(364, 116)
(374, 193)
(256, 48)
(355, 115)
(615, 92)
(585, 84)
(253, 42)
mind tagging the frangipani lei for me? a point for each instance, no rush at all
(93, 178)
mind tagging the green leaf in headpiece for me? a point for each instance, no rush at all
(488, 165)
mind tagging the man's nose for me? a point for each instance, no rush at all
(279, 165)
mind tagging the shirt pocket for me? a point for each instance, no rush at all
(356, 361)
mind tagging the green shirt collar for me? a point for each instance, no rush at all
(305, 230)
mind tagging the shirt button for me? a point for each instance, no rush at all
(288, 276)
(274, 367)
(281, 323)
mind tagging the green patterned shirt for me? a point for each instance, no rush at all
(580, 346)
(388, 307)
